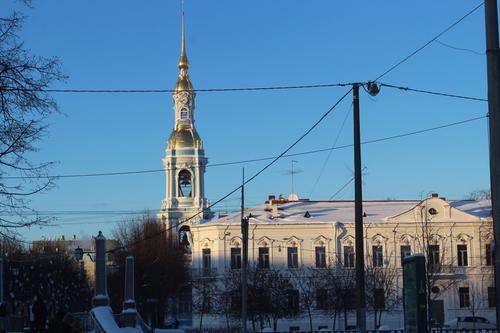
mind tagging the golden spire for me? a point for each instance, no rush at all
(183, 59)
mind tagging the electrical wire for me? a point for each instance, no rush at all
(459, 48)
(262, 158)
(433, 92)
(331, 151)
(390, 69)
(135, 91)
(244, 182)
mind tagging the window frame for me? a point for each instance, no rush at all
(264, 260)
(464, 297)
(377, 256)
(206, 262)
(462, 255)
(320, 256)
(349, 256)
(235, 259)
(293, 257)
(403, 253)
(433, 256)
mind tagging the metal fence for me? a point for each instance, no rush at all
(434, 330)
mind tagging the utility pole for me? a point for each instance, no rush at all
(1, 281)
(358, 217)
(244, 261)
(493, 70)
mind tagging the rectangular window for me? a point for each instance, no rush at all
(489, 255)
(321, 299)
(235, 258)
(379, 298)
(348, 256)
(462, 255)
(405, 252)
(207, 264)
(293, 257)
(433, 255)
(464, 297)
(492, 297)
(184, 115)
(293, 300)
(378, 256)
(320, 257)
(263, 257)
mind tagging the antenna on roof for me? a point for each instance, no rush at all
(292, 172)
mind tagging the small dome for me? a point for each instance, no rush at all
(183, 84)
(184, 137)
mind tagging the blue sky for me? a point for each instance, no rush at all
(135, 45)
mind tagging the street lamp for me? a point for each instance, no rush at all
(79, 252)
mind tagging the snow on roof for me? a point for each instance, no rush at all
(339, 211)
(479, 208)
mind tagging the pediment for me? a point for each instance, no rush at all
(235, 241)
(320, 240)
(463, 238)
(265, 242)
(293, 241)
(379, 239)
(433, 209)
(406, 239)
(348, 240)
(206, 242)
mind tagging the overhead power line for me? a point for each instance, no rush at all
(258, 173)
(139, 91)
(451, 26)
(459, 48)
(436, 93)
(392, 137)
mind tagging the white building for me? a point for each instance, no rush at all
(455, 235)
(288, 236)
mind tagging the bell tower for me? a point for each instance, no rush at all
(185, 160)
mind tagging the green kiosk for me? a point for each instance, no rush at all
(414, 294)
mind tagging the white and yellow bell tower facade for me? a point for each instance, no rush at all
(185, 162)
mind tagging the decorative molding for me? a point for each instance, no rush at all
(406, 239)
(321, 240)
(206, 242)
(265, 242)
(293, 241)
(464, 238)
(379, 239)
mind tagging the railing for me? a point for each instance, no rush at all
(434, 330)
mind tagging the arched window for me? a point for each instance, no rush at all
(184, 238)
(185, 184)
(184, 114)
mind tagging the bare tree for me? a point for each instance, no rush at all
(205, 291)
(161, 268)
(434, 240)
(340, 286)
(479, 195)
(382, 292)
(49, 272)
(310, 284)
(24, 107)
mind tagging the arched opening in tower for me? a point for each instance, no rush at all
(185, 184)
(185, 238)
